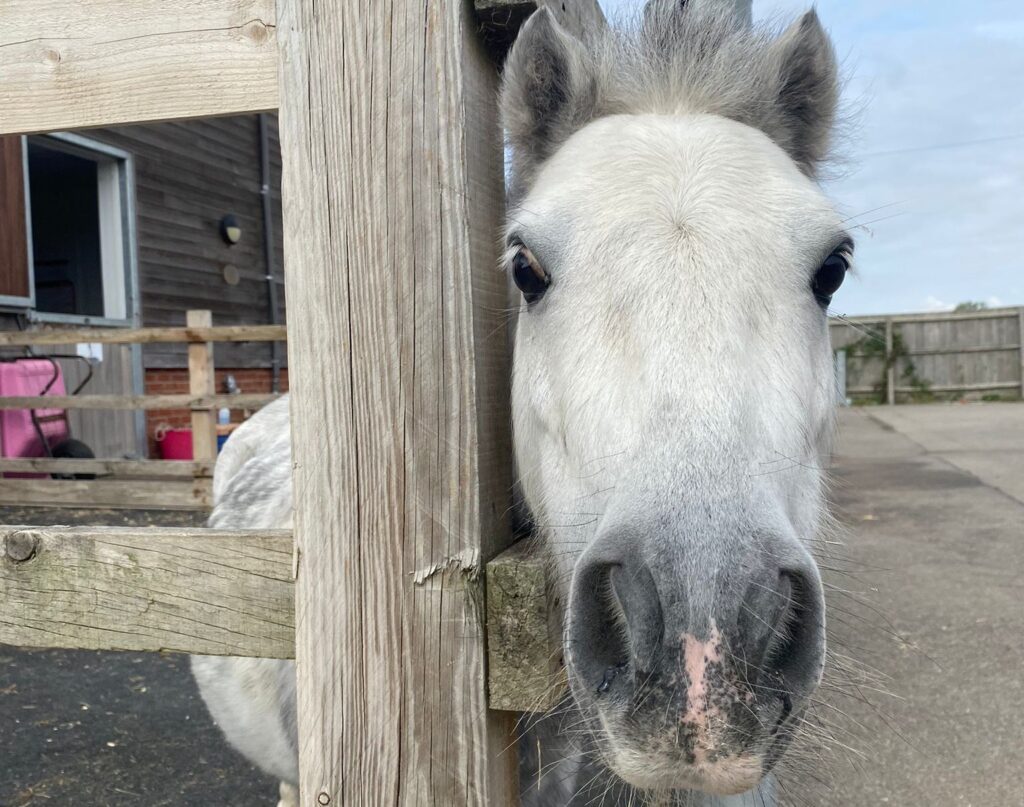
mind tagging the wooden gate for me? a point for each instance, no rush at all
(393, 194)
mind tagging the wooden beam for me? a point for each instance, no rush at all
(392, 206)
(206, 402)
(123, 494)
(126, 588)
(1020, 339)
(525, 671)
(143, 336)
(944, 351)
(983, 387)
(175, 469)
(890, 373)
(928, 316)
(69, 65)
(202, 382)
(500, 20)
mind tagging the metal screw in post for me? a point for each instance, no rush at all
(323, 798)
(21, 546)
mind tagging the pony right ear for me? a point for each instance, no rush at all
(548, 92)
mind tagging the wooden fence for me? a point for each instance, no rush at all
(138, 484)
(393, 188)
(935, 356)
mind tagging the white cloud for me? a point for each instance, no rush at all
(932, 303)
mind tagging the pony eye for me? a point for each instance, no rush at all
(830, 276)
(529, 276)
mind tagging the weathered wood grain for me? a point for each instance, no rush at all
(129, 336)
(239, 401)
(102, 62)
(174, 469)
(392, 200)
(202, 382)
(138, 494)
(526, 670)
(120, 588)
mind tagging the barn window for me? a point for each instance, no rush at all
(80, 222)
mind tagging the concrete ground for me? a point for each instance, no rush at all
(932, 618)
(925, 706)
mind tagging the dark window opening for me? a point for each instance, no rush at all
(64, 191)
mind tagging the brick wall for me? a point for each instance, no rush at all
(175, 382)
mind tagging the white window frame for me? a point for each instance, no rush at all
(116, 188)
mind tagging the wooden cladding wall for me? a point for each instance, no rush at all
(188, 175)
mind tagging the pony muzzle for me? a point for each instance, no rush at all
(693, 674)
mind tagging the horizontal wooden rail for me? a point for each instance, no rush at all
(947, 316)
(238, 401)
(995, 385)
(121, 588)
(939, 351)
(132, 494)
(175, 469)
(221, 592)
(524, 649)
(105, 62)
(144, 336)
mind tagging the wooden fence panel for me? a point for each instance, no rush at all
(963, 353)
(123, 588)
(68, 65)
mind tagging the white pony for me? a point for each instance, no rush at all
(673, 400)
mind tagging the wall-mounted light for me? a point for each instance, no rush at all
(230, 230)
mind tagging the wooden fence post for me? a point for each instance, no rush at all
(1020, 344)
(393, 188)
(201, 382)
(890, 364)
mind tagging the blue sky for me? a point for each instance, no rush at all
(933, 168)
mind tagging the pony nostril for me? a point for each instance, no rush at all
(596, 639)
(796, 648)
(637, 594)
(615, 625)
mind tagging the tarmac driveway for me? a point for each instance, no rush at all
(933, 499)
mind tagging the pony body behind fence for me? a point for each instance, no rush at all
(673, 398)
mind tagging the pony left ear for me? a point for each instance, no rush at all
(807, 93)
(548, 92)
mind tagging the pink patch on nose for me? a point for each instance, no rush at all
(698, 655)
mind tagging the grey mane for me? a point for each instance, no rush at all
(677, 58)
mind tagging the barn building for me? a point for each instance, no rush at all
(132, 226)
